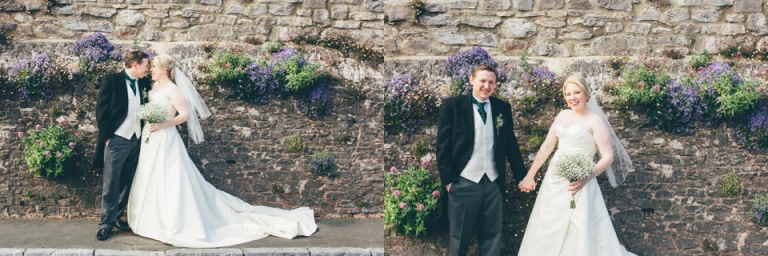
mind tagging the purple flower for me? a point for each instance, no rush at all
(318, 103)
(95, 48)
(408, 106)
(460, 66)
(435, 193)
(71, 145)
(419, 206)
(397, 193)
(752, 134)
(39, 77)
(403, 205)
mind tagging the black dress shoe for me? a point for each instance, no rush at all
(122, 225)
(103, 234)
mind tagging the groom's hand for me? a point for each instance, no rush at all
(448, 188)
(107, 143)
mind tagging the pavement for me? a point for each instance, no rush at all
(35, 237)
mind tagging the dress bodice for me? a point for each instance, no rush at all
(574, 139)
(163, 99)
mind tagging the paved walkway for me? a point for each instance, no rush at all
(78, 237)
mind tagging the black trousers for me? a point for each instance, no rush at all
(120, 159)
(475, 205)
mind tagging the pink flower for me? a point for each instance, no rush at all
(59, 154)
(37, 127)
(435, 193)
(641, 83)
(71, 145)
(393, 170)
(391, 189)
(21, 134)
(657, 88)
(47, 153)
(738, 54)
(749, 89)
(761, 89)
(29, 124)
(42, 143)
(424, 162)
(403, 206)
(664, 57)
(419, 206)
(77, 134)
(239, 69)
(397, 193)
(410, 159)
(228, 65)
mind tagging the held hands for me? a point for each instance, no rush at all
(528, 184)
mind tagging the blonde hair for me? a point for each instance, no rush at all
(167, 63)
(579, 80)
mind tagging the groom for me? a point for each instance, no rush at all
(118, 145)
(475, 139)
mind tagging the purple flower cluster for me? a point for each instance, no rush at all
(459, 66)
(753, 133)
(407, 105)
(261, 83)
(686, 107)
(759, 210)
(323, 163)
(97, 55)
(39, 77)
(716, 75)
(284, 63)
(317, 103)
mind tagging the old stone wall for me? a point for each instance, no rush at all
(244, 154)
(671, 205)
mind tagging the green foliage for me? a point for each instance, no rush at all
(655, 151)
(700, 60)
(527, 104)
(759, 210)
(295, 145)
(5, 35)
(48, 151)
(228, 68)
(644, 87)
(275, 46)
(362, 204)
(410, 201)
(420, 149)
(301, 78)
(323, 163)
(730, 185)
(344, 43)
(524, 57)
(535, 141)
(709, 245)
(418, 7)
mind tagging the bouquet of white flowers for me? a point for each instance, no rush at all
(154, 113)
(574, 167)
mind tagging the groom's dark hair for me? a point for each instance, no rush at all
(134, 57)
(484, 67)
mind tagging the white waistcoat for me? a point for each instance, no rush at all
(481, 162)
(132, 123)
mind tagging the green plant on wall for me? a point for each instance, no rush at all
(730, 185)
(759, 210)
(420, 149)
(295, 145)
(700, 60)
(275, 46)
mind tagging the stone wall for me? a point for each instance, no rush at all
(568, 28)
(244, 154)
(671, 205)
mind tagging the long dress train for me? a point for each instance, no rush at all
(171, 202)
(554, 228)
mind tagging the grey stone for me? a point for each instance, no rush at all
(101, 26)
(374, 5)
(66, 10)
(756, 23)
(450, 38)
(100, 12)
(462, 4)
(156, 1)
(205, 19)
(227, 19)
(523, 5)
(157, 14)
(483, 39)
(11, 251)
(550, 4)
(341, 251)
(235, 8)
(155, 36)
(727, 29)
(748, 6)
(314, 4)
(435, 7)
(735, 18)
(281, 9)
(39, 252)
(75, 25)
(638, 28)
(35, 5)
(706, 14)
(494, 5)
(688, 29)
(575, 33)
(621, 5)
(275, 252)
(257, 10)
(437, 20)
(530, 14)
(690, 2)
(304, 12)
(661, 30)
(63, 2)
(618, 45)
(720, 2)
(595, 20)
(670, 41)
(548, 34)
(175, 23)
(517, 28)
(675, 16)
(204, 252)
(346, 24)
(130, 18)
(73, 252)
(481, 22)
(513, 46)
(376, 251)
(250, 30)
(398, 13)
(579, 4)
(551, 23)
(103, 252)
(366, 16)
(650, 14)
(322, 18)
(354, 2)
(339, 12)
(294, 21)
(548, 49)
(613, 27)
(557, 13)
(209, 2)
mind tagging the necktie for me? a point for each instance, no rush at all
(480, 108)
(133, 83)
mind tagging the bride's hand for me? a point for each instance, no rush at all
(155, 127)
(527, 185)
(577, 185)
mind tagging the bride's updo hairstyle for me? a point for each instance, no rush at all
(580, 81)
(167, 63)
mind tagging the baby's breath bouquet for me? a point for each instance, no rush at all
(154, 113)
(574, 167)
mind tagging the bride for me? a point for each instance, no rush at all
(554, 228)
(170, 201)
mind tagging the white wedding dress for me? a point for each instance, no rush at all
(556, 229)
(171, 202)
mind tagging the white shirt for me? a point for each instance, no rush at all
(481, 162)
(132, 124)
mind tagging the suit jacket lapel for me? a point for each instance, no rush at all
(121, 90)
(495, 111)
(469, 118)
